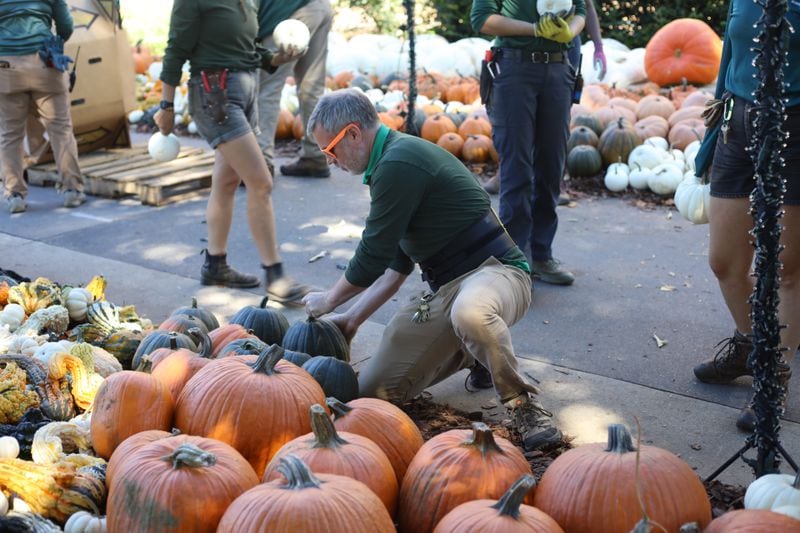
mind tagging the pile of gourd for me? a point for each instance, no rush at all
(256, 425)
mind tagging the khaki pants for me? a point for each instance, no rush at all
(469, 319)
(309, 74)
(26, 84)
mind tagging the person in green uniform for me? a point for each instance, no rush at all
(218, 38)
(427, 208)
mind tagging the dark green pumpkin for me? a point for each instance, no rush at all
(160, 339)
(317, 336)
(584, 161)
(206, 317)
(243, 347)
(590, 121)
(337, 378)
(297, 358)
(581, 135)
(267, 324)
(182, 323)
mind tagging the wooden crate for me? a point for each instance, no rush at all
(121, 172)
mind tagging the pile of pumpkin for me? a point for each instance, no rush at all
(256, 425)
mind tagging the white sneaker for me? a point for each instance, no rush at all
(16, 203)
(73, 198)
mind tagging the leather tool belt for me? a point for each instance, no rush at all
(467, 251)
(525, 56)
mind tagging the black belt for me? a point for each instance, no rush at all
(467, 251)
(528, 56)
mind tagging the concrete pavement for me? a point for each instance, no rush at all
(592, 346)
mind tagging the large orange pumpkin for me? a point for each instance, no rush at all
(222, 335)
(452, 142)
(475, 125)
(654, 104)
(385, 424)
(508, 515)
(142, 58)
(437, 125)
(753, 521)
(283, 129)
(346, 454)
(177, 369)
(685, 132)
(126, 403)
(652, 126)
(307, 502)
(684, 49)
(254, 403)
(456, 467)
(130, 445)
(478, 149)
(593, 488)
(181, 483)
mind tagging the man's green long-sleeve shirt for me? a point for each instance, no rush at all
(25, 24)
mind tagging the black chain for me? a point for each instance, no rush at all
(411, 127)
(766, 200)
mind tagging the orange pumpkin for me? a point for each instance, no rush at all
(130, 445)
(475, 125)
(142, 58)
(297, 128)
(222, 335)
(697, 98)
(346, 454)
(623, 101)
(285, 125)
(452, 142)
(478, 149)
(694, 111)
(266, 403)
(685, 132)
(342, 80)
(456, 467)
(508, 515)
(610, 114)
(386, 424)
(437, 125)
(654, 104)
(176, 369)
(579, 486)
(394, 122)
(126, 403)
(652, 126)
(683, 49)
(302, 499)
(181, 483)
(594, 96)
(753, 521)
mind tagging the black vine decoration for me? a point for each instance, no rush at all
(771, 48)
(411, 127)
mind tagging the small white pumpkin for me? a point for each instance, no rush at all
(23, 345)
(163, 148)
(691, 152)
(135, 116)
(19, 505)
(616, 178)
(192, 128)
(640, 176)
(646, 156)
(291, 33)
(665, 179)
(85, 522)
(658, 142)
(3, 504)
(773, 490)
(12, 315)
(9, 448)
(692, 198)
(78, 301)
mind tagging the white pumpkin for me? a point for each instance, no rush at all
(135, 116)
(640, 176)
(291, 33)
(616, 178)
(646, 156)
(85, 522)
(9, 448)
(658, 142)
(12, 316)
(45, 351)
(3, 504)
(19, 505)
(788, 510)
(773, 490)
(665, 179)
(23, 345)
(78, 300)
(692, 198)
(192, 128)
(163, 148)
(691, 152)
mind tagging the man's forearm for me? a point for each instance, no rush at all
(375, 296)
(593, 24)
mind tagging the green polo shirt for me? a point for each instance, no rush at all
(519, 10)
(421, 198)
(212, 35)
(271, 12)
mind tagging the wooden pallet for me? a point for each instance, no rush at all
(123, 172)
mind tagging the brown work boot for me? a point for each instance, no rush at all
(312, 168)
(216, 271)
(281, 288)
(492, 185)
(729, 363)
(550, 271)
(533, 422)
(479, 378)
(747, 417)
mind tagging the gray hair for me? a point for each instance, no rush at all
(338, 108)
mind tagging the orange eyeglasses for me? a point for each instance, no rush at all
(328, 150)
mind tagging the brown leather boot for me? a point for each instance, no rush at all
(217, 271)
(310, 168)
(747, 417)
(729, 363)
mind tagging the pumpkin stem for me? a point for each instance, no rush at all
(796, 483)
(509, 504)
(619, 439)
(298, 475)
(267, 359)
(338, 408)
(324, 431)
(203, 340)
(190, 455)
(194, 302)
(173, 341)
(482, 439)
(264, 301)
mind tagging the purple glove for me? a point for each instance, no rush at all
(600, 63)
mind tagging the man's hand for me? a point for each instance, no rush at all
(316, 304)
(345, 326)
(165, 120)
(556, 29)
(287, 55)
(600, 63)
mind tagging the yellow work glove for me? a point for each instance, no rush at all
(556, 29)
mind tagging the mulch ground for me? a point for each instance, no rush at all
(433, 418)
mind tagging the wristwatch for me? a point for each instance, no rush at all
(166, 105)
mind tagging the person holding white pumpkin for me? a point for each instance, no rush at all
(33, 77)
(309, 77)
(529, 110)
(732, 180)
(218, 38)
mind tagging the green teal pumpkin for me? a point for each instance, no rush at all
(160, 339)
(206, 317)
(337, 378)
(243, 347)
(581, 135)
(317, 336)
(590, 121)
(584, 161)
(269, 325)
(617, 141)
(298, 358)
